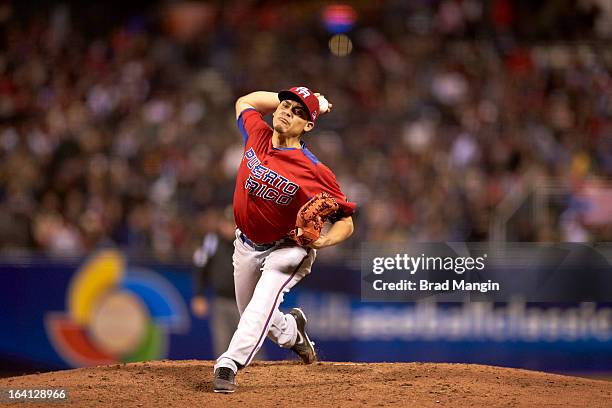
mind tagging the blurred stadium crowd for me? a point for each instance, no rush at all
(126, 134)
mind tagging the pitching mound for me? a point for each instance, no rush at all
(266, 384)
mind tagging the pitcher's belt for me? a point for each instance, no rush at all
(260, 247)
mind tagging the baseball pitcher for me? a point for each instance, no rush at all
(283, 196)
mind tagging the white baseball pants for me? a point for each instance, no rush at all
(261, 278)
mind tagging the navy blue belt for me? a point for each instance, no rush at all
(257, 247)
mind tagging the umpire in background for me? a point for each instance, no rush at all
(213, 268)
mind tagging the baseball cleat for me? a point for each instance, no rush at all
(303, 347)
(225, 380)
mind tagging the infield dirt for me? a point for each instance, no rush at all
(286, 384)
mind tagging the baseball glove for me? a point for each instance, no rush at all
(311, 217)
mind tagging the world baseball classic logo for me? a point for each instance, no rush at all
(116, 313)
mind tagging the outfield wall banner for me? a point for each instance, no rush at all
(109, 308)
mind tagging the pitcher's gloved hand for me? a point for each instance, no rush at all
(311, 217)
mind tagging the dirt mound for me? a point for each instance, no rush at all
(187, 383)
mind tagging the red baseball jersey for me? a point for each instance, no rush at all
(273, 183)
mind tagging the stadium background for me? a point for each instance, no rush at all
(453, 121)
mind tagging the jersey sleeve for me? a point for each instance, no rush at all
(327, 183)
(251, 125)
